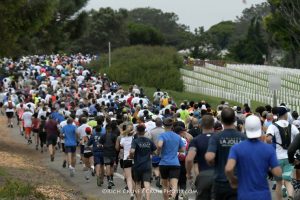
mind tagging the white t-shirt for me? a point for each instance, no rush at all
(7, 109)
(27, 118)
(31, 107)
(126, 144)
(81, 130)
(80, 79)
(149, 126)
(273, 130)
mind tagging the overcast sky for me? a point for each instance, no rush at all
(193, 13)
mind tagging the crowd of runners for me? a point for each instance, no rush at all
(226, 153)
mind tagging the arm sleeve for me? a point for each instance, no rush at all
(91, 141)
(270, 130)
(212, 145)
(233, 153)
(153, 147)
(294, 146)
(160, 138)
(192, 145)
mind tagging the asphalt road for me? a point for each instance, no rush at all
(90, 189)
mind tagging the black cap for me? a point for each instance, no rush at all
(281, 111)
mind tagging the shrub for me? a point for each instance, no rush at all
(152, 66)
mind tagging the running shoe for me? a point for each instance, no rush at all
(158, 183)
(72, 171)
(112, 183)
(64, 164)
(52, 158)
(36, 147)
(274, 187)
(109, 185)
(93, 172)
(132, 197)
(284, 192)
(99, 181)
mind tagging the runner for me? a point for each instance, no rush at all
(42, 133)
(141, 150)
(52, 135)
(27, 124)
(35, 130)
(253, 165)
(282, 134)
(98, 153)
(218, 151)
(88, 155)
(9, 110)
(108, 142)
(154, 135)
(197, 149)
(70, 137)
(169, 143)
(127, 163)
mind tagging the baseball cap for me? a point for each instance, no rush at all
(281, 110)
(253, 127)
(88, 130)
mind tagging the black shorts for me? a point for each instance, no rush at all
(64, 148)
(109, 160)
(69, 149)
(35, 130)
(169, 172)
(81, 149)
(9, 115)
(98, 158)
(141, 176)
(52, 140)
(88, 154)
(126, 163)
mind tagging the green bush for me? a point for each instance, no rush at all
(151, 66)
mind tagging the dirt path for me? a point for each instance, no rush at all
(25, 165)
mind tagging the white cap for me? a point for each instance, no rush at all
(253, 127)
(203, 107)
(110, 113)
(296, 123)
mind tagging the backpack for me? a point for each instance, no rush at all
(285, 134)
(10, 105)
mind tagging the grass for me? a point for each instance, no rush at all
(16, 189)
(179, 97)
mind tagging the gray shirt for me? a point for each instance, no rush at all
(155, 133)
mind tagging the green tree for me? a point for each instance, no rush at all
(221, 34)
(253, 48)
(144, 34)
(284, 26)
(175, 34)
(22, 18)
(103, 26)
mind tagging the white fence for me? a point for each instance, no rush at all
(243, 83)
